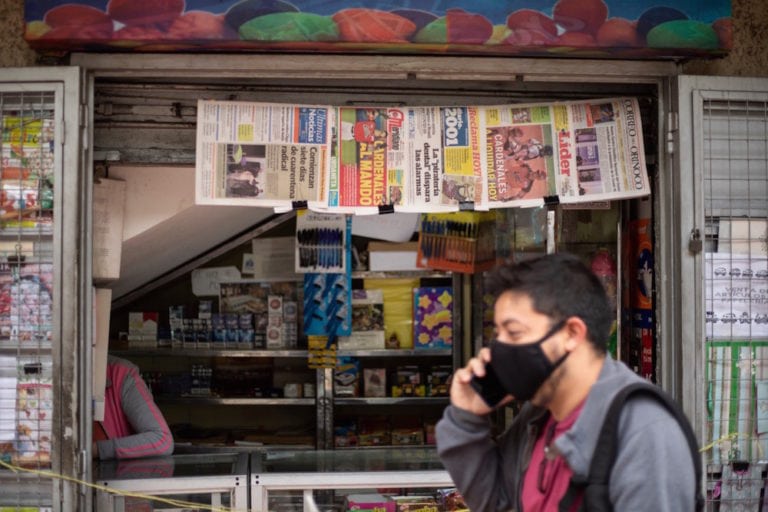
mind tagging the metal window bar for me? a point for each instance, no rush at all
(26, 295)
(735, 174)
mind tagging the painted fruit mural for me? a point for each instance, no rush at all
(582, 28)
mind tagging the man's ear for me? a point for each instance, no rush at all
(577, 332)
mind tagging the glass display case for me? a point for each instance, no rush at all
(325, 480)
(179, 481)
(241, 402)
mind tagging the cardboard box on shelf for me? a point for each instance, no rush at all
(408, 382)
(375, 382)
(407, 437)
(367, 322)
(398, 309)
(451, 500)
(346, 377)
(345, 433)
(387, 256)
(265, 301)
(407, 431)
(438, 380)
(415, 503)
(374, 431)
(142, 326)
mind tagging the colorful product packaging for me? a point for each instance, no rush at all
(433, 317)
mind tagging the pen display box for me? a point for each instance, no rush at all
(458, 241)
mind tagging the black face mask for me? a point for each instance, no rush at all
(522, 369)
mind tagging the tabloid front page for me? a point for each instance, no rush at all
(607, 160)
(578, 151)
(370, 159)
(447, 159)
(262, 154)
(413, 159)
(519, 142)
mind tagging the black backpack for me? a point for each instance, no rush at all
(595, 489)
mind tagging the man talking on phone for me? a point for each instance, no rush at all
(552, 321)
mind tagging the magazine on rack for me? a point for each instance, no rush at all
(258, 154)
(27, 161)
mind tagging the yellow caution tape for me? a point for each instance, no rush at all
(730, 437)
(119, 492)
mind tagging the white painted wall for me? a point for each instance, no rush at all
(163, 227)
(154, 194)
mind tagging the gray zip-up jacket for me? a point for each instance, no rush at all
(653, 470)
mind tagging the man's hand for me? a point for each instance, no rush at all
(463, 394)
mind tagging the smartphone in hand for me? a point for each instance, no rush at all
(489, 387)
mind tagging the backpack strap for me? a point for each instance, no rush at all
(595, 489)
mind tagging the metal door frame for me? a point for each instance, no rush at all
(689, 96)
(69, 347)
(672, 189)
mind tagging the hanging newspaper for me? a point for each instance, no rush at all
(446, 156)
(419, 159)
(577, 151)
(258, 154)
(416, 159)
(370, 161)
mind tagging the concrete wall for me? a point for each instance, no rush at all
(749, 56)
(13, 49)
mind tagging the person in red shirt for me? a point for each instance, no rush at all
(133, 426)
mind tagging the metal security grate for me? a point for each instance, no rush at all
(735, 181)
(27, 128)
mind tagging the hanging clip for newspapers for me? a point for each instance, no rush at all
(298, 205)
(386, 208)
(466, 206)
(551, 200)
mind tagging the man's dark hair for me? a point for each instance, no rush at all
(559, 286)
